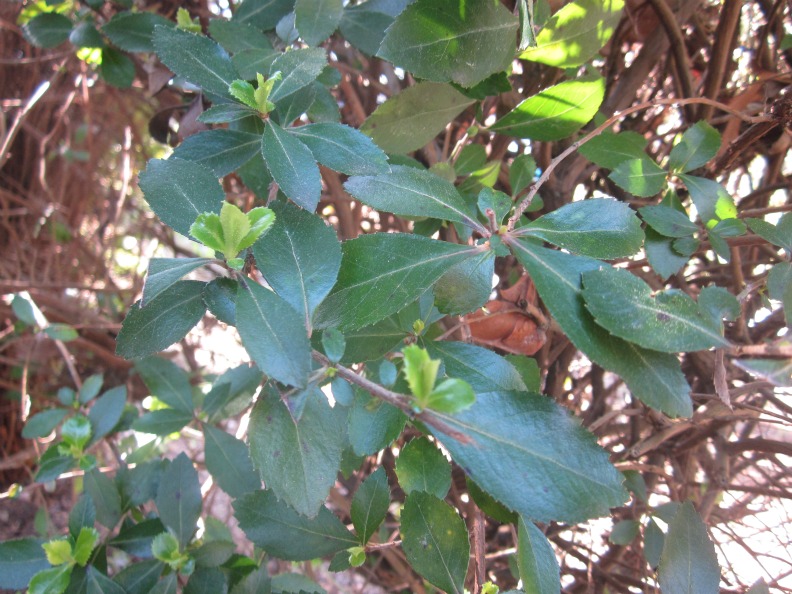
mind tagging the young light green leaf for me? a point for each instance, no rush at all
(538, 565)
(167, 381)
(450, 396)
(440, 40)
(609, 149)
(668, 221)
(435, 541)
(133, 31)
(228, 460)
(196, 58)
(243, 91)
(409, 120)
(301, 68)
(185, 22)
(668, 322)
(84, 544)
(273, 334)
(316, 20)
(555, 113)
(640, 177)
(20, 560)
(262, 93)
(342, 148)
(178, 191)
(292, 166)
(179, 499)
(222, 151)
(413, 192)
(370, 504)
(599, 228)
(688, 564)
(76, 431)
(699, 144)
(420, 372)
(382, 273)
(235, 226)
(163, 273)
(285, 534)
(165, 547)
(58, 551)
(575, 33)
(422, 467)
(284, 449)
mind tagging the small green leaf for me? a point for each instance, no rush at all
(164, 272)
(140, 577)
(779, 234)
(165, 547)
(228, 461)
(373, 424)
(435, 541)
(58, 551)
(451, 395)
(699, 144)
(43, 423)
(76, 431)
(185, 22)
(235, 226)
(62, 332)
(688, 564)
(370, 504)
(84, 544)
(663, 257)
(106, 412)
(776, 371)
(47, 29)
(334, 344)
(90, 388)
(668, 221)
(222, 151)
(521, 173)
(713, 202)
(640, 177)
(51, 581)
(179, 499)
(483, 369)
(162, 422)
(117, 68)
(292, 166)
(536, 559)
(624, 532)
(609, 149)
(136, 539)
(654, 539)
(301, 68)
(422, 467)
(104, 493)
(420, 372)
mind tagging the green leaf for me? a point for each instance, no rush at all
(47, 29)
(43, 423)
(84, 544)
(136, 539)
(52, 465)
(450, 396)
(609, 149)
(244, 92)
(207, 580)
(466, 286)
(370, 504)
(640, 177)
(364, 25)
(624, 532)
(654, 539)
(76, 431)
(409, 120)
(104, 493)
(222, 151)
(372, 342)
(688, 564)
(435, 541)
(58, 551)
(165, 547)
(232, 391)
(263, 14)
(599, 228)
(777, 371)
(668, 221)
(483, 369)
(420, 371)
(575, 33)
(779, 287)
(333, 344)
(106, 412)
(51, 581)
(162, 422)
(167, 381)
(20, 560)
(116, 68)
(295, 583)
(699, 144)
(713, 202)
(273, 334)
(301, 68)
(139, 578)
(471, 158)
(62, 332)
(441, 40)
(90, 388)
(228, 460)
(298, 459)
(167, 585)
(178, 191)
(133, 31)
(316, 20)
(225, 113)
(655, 378)
(197, 58)
(342, 148)
(669, 322)
(219, 296)
(27, 311)
(413, 192)
(555, 113)
(82, 515)
(422, 467)
(165, 320)
(237, 36)
(779, 234)
(662, 255)
(373, 424)
(163, 273)
(292, 165)
(285, 534)
(521, 173)
(252, 62)
(539, 462)
(382, 273)
(529, 371)
(179, 499)
(536, 559)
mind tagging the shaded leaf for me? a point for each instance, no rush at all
(106, 412)
(536, 559)
(133, 31)
(104, 493)
(20, 560)
(776, 371)
(668, 221)
(483, 369)
(316, 20)
(164, 272)
(228, 460)
(373, 424)
(370, 504)
(139, 578)
(167, 381)
(292, 166)
(43, 423)
(609, 149)
(422, 467)
(688, 564)
(163, 422)
(364, 25)
(47, 29)
(262, 14)
(179, 499)
(222, 151)
(466, 286)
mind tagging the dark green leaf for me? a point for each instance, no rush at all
(51, 581)
(26, 311)
(471, 158)
(178, 191)
(162, 422)
(333, 344)
(466, 286)
(251, 62)
(299, 68)
(556, 112)
(699, 144)
(669, 322)
(166, 585)
(136, 539)
(255, 582)
(295, 105)
(655, 378)
(140, 578)
(197, 58)
(86, 35)
(179, 499)
(298, 460)
(273, 334)
(422, 467)
(540, 462)
(599, 228)
(382, 273)
(282, 532)
(222, 151)
(624, 532)
(489, 505)
(342, 148)
(292, 166)
(52, 465)
(106, 412)
(232, 392)
(116, 68)
(167, 381)
(364, 25)
(20, 560)
(370, 504)
(98, 583)
(164, 272)
(575, 33)
(104, 493)
(640, 177)
(521, 173)
(483, 369)
(435, 541)
(316, 20)
(654, 539)
(47, 29)
(82, 515)
(228, 460)
(664, 259)
(295, 583)
(407, 121)
(300, 257)
(441, 40)
(213, 553)
(636, 484)
(373, 424)
(237, 36)
(538, 565)
(133, 31)
(776, 371)
(529, 371)
(372, 342)
(668, 221)
(224, 113)
(713, 202)
(609, 150)
(90, 388)
(688, 564)
(219, 297)
(263, 14)
(206, 580)
(779, 287)
(43, 423)
(780, 234)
